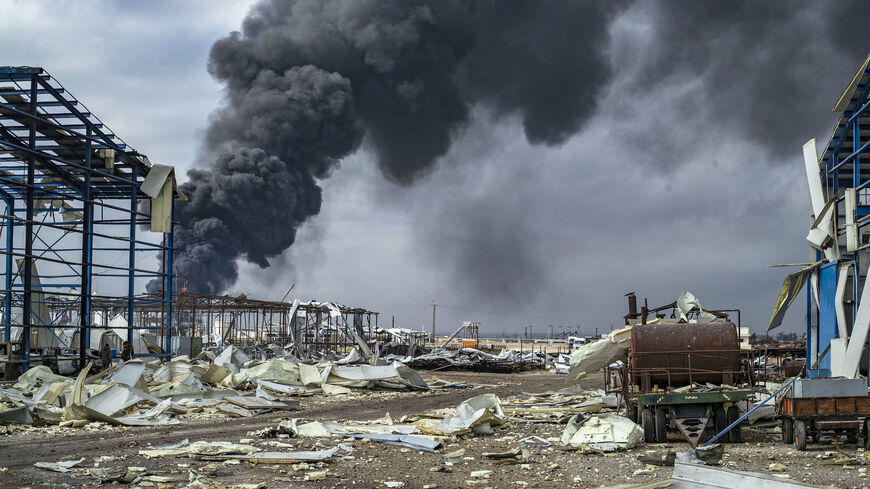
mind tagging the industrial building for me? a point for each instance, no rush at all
(75, 226)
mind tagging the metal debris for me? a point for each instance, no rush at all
(64, 466)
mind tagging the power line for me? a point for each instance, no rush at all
(526, 316)
(530, 316)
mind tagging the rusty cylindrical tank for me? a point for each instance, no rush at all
(678, 354)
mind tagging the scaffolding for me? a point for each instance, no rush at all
(72, 225)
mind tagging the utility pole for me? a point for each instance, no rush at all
(394, 322)
(434, 305)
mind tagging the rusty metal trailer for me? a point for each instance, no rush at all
(681, 373)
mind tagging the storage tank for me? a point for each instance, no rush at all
(662, 354)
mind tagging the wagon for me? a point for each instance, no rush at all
(689, 412)
(815, 406)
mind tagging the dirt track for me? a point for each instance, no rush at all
(372, 464)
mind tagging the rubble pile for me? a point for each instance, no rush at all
(508, 361)
(139, 393)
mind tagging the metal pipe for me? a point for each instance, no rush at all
(741, 418)
(27, 312)
(87, 216)
(132, 257)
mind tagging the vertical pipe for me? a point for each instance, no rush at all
(131, 275)
(27, 313)
(168, 282)
(632, 307)
(434, 305)
(87, 220)
(7, 301)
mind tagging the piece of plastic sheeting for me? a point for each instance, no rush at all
(592, 357)
(481, 411)
(276, 370)
(350, 358)
(407, 441)
(788, 292)
(839, 295)
(334, 390)
(129, 374)
(159, 185)
(220, 448)
(64, 466)
(687, 301)
(232, 358)
(113, 400)
(314, 429)
(256, 403)
(309, 374)
(283, 457)
(20, 415)
(39, 374)
(606, 432)
(282, 388)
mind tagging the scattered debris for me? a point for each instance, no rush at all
(59, 466)
(604, 432)
(710, 455)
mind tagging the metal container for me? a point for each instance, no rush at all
(675, 355)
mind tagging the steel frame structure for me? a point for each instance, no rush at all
(243, 321)
(72, 221)
(844, 164)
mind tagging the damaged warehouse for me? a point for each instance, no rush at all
(459, 194)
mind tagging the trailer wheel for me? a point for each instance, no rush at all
(720, 422)
(867, 434)
(633, 413)
(661, 425)
(851, 437)
(787, 431)
(800, 434)
(734, 434)
(649, 429)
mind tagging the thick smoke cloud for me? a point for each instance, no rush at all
(307, 82)
(691, 81)
(270, 142)
(765, 72)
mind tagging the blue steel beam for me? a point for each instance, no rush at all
(7, 297)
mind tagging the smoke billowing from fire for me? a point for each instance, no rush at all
(308, 82)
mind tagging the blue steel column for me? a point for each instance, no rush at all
(169, 277)
(856, 181)
(27, 312)
(132, 260)
(7, 302)
(87, 254)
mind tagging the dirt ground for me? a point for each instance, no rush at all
(373, 465)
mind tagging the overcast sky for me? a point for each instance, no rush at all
(686, 175)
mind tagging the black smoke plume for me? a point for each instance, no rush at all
(309, 81)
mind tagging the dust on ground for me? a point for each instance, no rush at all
(372, 464)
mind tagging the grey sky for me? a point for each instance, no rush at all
(684, 177)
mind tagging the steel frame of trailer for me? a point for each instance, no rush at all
(58, 159)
